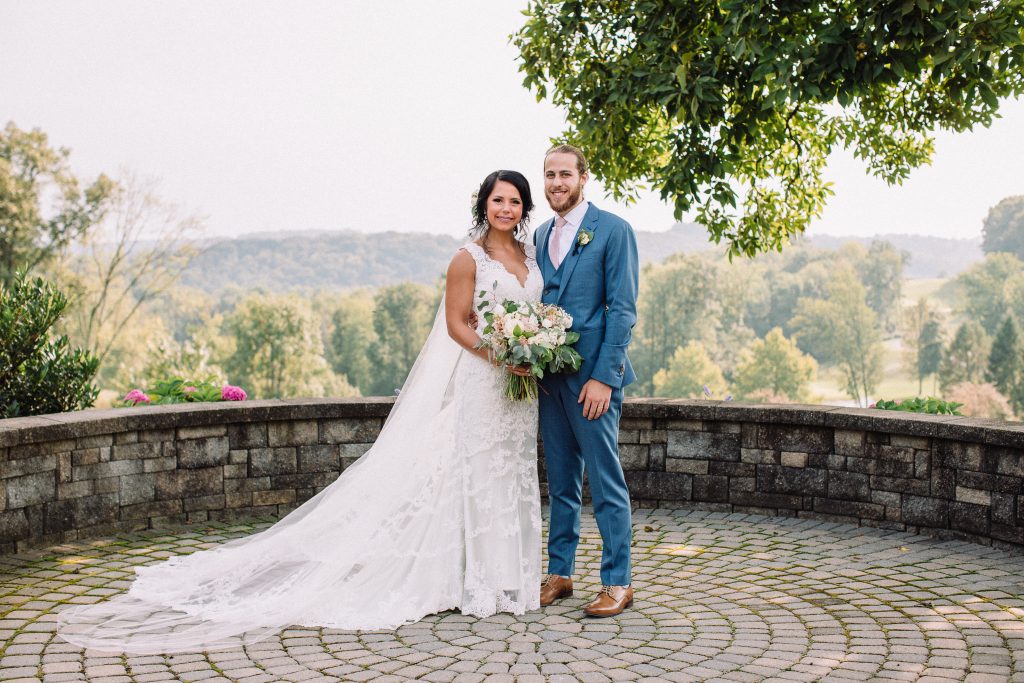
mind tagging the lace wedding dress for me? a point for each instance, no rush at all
(443, 512)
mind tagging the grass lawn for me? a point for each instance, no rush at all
(896, 382)
(941, 292)
(926, 287)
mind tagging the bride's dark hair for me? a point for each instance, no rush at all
(519, 181)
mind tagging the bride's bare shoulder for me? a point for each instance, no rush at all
(462, 263)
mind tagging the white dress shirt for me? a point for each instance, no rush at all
(573, 219)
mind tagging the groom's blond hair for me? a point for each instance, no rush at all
(581, 161)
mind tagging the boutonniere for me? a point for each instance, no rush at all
(583, 239)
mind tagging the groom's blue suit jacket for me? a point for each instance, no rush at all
(597, 284)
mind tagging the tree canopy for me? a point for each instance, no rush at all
(731, 107)
(279, 350)
(966, 359)
(42, 208)
(775, 364)
(1006, 363)
(689, 371)
(841, 329)
(1003, 230)
(991, 288)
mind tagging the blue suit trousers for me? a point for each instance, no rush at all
(573, 444)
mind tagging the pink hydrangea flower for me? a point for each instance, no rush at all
(230, 393)
(136, 396)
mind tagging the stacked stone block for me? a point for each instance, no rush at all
(953, 477)
(56, 490)
(95, 473)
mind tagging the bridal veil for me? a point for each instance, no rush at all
(373, 550)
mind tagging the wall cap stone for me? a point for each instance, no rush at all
(24, 430)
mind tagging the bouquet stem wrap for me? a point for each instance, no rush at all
(519, 388)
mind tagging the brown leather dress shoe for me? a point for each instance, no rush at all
(554, 587)
(612, 600)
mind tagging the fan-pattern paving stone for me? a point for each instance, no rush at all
(720, 597)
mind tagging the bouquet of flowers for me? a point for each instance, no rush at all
(529, 334)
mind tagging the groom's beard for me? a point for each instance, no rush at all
(569, 199)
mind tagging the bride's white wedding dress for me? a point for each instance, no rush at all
(443, 512)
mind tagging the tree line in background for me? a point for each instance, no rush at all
(760, 329)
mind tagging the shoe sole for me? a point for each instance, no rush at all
(567, 594)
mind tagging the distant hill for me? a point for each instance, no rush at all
(339, 260)
(689, 237)
(929, 256)
(328, 260)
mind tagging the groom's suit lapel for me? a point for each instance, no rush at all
(542, 249)
(589, 222)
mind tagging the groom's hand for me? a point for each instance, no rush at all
(596, 397)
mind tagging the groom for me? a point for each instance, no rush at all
(589, 261)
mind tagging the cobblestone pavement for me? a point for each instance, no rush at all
(719, 597)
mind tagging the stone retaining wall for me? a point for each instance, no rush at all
(97, 472)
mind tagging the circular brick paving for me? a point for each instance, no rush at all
(719, 597)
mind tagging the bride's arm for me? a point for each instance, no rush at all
(458, 303)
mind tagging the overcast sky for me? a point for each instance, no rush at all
(368, 115)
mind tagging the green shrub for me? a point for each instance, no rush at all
(40, 374)
(930, 405)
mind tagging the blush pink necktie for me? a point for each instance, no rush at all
(556, 253)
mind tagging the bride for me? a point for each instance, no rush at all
(443, 512)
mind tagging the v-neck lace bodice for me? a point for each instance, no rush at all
(493, 276)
